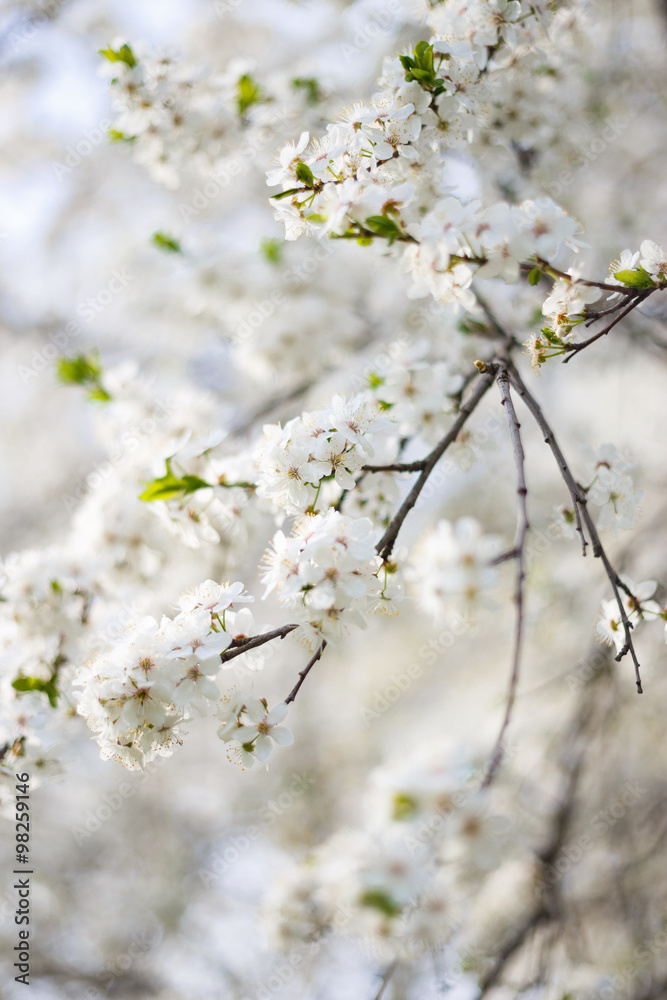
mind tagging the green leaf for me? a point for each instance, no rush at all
(374, 381)
(35, 684)
(420, 66)
(471, 327)
(404, 806)
(534, 276)
(635, 279)
(79, 370)
(285, 194)
(304, 174)
(83, 369)
(248, 92)
(378, 899)
(383, 226)
(272, 249)
(124, 54)
(169, 486)
(166, 243)
(311, 87)
(421, 49)
(421, 75)
(100, 394)
(116, 136)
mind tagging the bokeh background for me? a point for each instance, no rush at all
(156, 885)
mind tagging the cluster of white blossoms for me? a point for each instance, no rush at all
(419, 397)
(371, 176)
(137, 695)
(636, 600)
(454, 561)
(651, 258)
(250, 729)
(45, 604)
(566, 308)
(317, 450)
(327, 573)
(181, 120)
(433, 835)
(611, 488)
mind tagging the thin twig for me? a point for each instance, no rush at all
(417, 466)
(581, 511)
(243, 645)
(510, 339)
(576, 746)
(616, 585)
(638, 298)
(576, 493)
(593, 316)
(385, 981)
(306, 670)
(522, 527)
(386, 543)
(556, 273)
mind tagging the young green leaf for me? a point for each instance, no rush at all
(48, 688)
(304, 174)
(635, 279)
(169, 486)
(166, 243)
(124, 54)
(248, 92)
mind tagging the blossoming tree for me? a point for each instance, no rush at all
(384, 364)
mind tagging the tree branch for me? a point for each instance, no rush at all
(417, 466)
(243, 645)
(522, 527)
(576, 493)
(386, 543)
(306, 670)
(637, 299)
(581, 511)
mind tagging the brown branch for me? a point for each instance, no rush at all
(637, 299)
(576, 745)
(240, 646)
(386, 543)
(522, 527)
(509, 338)
(555, 272)
(306, 670)
(616, 583)
(576, 493)
(594, 316)
(417, 466)
(581, 511)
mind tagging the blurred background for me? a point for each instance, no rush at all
(198, 880)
